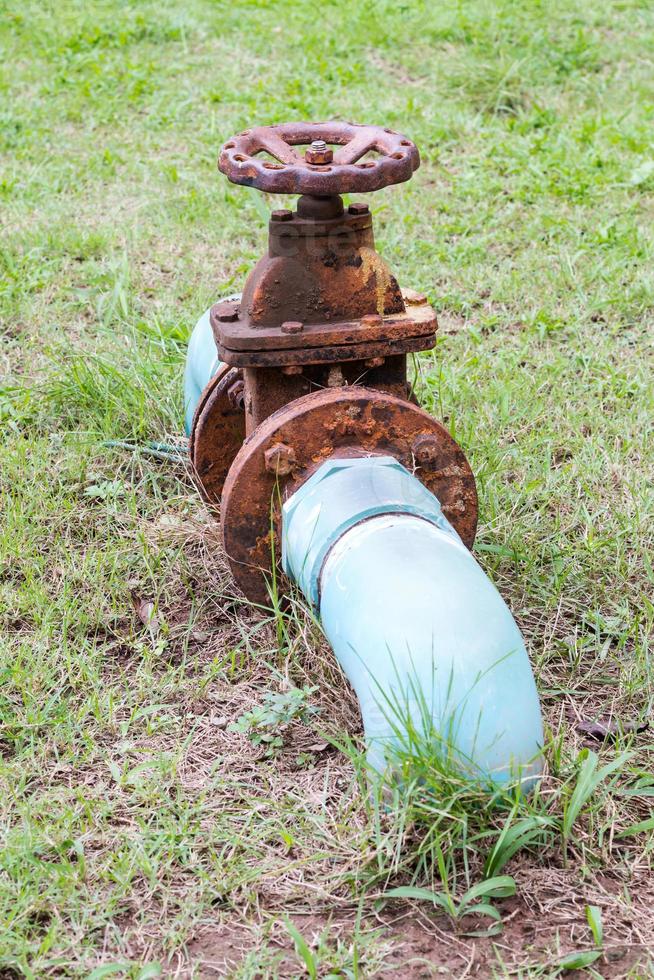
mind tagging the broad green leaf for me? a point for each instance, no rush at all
(423, 895)
(594, 917)
(502, 886)
(514, 837)
(302, 949)
(484, 908)
(108, 970)
(588, 779)
(579, 961)
(637, 828)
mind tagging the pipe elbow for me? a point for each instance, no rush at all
(432, 651)
(429, 645)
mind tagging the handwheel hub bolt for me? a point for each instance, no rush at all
(425, 450)
(319, 153)
(279, 459)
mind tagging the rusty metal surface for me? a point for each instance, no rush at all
(340, 172)
(327, 355)
(239, 336)
(343, 421)
(217, 432)
(267, 389)
(322, 311)
(316, 272)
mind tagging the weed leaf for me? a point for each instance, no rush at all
(513, 838)
(579, 961)
(594, 918)
(637, 828)
(422, 894)
(302, 949)
(503, 886)
(589, 778)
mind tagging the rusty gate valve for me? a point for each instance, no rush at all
(314, 352)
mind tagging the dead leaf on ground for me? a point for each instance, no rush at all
(603, 730)
(145, 610)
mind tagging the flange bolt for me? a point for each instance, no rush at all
(319, 153)
(236, 394)
(425, 450)
(279, 459)
(227, 312)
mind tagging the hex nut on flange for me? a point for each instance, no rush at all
(279, 459)
(425, 450)
(227, 312)
(292, 326)
(236, 394)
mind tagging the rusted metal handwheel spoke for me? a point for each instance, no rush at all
(354, 149)
(280, 149)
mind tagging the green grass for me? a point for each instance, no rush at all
(143, 835)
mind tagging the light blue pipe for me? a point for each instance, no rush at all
(202, 362)
(423, 635)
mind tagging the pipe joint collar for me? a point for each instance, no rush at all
(340, 494)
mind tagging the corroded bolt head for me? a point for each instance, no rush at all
(292, 369)
(279, 459)
(236, 394)
(281, 214)
(374, 362)
(425, 449)
(319, 153)
(292, 326)
(371, 320)
(227, 312)
(358, 208)
(335, 377)
(413, 298)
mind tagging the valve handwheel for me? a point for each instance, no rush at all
(321, 171)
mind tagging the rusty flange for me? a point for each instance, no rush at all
(217, 432)
(321, 171)
(285, 449)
